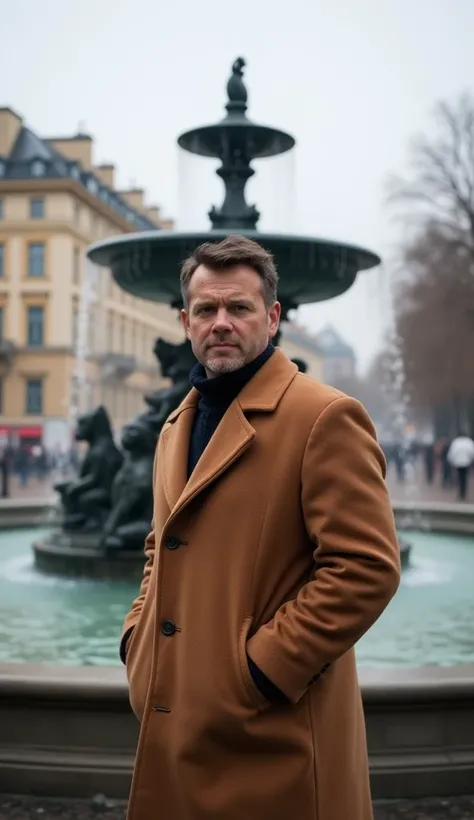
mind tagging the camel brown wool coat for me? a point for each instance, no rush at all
(282, 544)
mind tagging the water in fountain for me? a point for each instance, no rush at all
(58, 620)
(395, 389)
(399, 400)
(197, 190)
(80, 397)
(274, 188)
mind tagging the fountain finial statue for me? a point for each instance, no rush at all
(236, 91)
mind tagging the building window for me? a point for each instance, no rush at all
(37, 168)
(91, 330)
(36, 208)
(2, 168)
(2, 260)
(36, 259)
(92, 185)
(76, 266)
(109, 342)
(75, 325)
(36, 326)
(1, 208)
(34, 397)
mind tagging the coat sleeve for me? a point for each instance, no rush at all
(349, 518)
(132, 618)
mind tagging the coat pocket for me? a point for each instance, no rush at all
(132, 641)
(252, 693)
(139, 664)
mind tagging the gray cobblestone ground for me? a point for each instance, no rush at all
(11, 808)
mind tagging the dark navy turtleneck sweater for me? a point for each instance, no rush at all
(216, 395)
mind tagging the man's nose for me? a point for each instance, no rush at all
(222, 320)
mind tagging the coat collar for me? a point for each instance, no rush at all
(232, 438)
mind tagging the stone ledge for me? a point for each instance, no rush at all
(445, 517)
(19, 513)
(69, 731)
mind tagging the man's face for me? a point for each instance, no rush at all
(227, 320)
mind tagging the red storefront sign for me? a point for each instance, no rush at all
(33, 431)
(30, 432)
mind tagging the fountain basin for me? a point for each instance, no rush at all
(311, 270)
(82, 556)
(420, 731)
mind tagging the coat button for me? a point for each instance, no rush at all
(172, 542)
(168, 628)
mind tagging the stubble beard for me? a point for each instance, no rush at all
(220, 364)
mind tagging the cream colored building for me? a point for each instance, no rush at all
(53, 204)
(70, 339)
(298, 343)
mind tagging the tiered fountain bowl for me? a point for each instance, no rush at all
(310, 270)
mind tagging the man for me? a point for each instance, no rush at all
(460, 456)
(272, 551)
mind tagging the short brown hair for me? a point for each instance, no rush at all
(233, 250)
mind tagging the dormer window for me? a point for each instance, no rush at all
(2, 168)
(92, 185)
(74, 171)
(37, 168)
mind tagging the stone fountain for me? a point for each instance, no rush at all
(106, 510)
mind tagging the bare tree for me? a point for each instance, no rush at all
(434, 309)
(441, 180)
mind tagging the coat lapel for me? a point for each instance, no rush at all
(232, 438)
(174, 447)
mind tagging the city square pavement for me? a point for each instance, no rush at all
(36, 488)
(415, 488)
(11, 808)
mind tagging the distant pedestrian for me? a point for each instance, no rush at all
(429, 462)
(399, 458)
(23, 465)
(4, 487)
(461, 457)
(446, 469)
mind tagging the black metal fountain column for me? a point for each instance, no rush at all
(236, 141)
(106, 511)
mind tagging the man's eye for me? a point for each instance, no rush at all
(241, 307)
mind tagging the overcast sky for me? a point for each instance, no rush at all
(352, 80)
